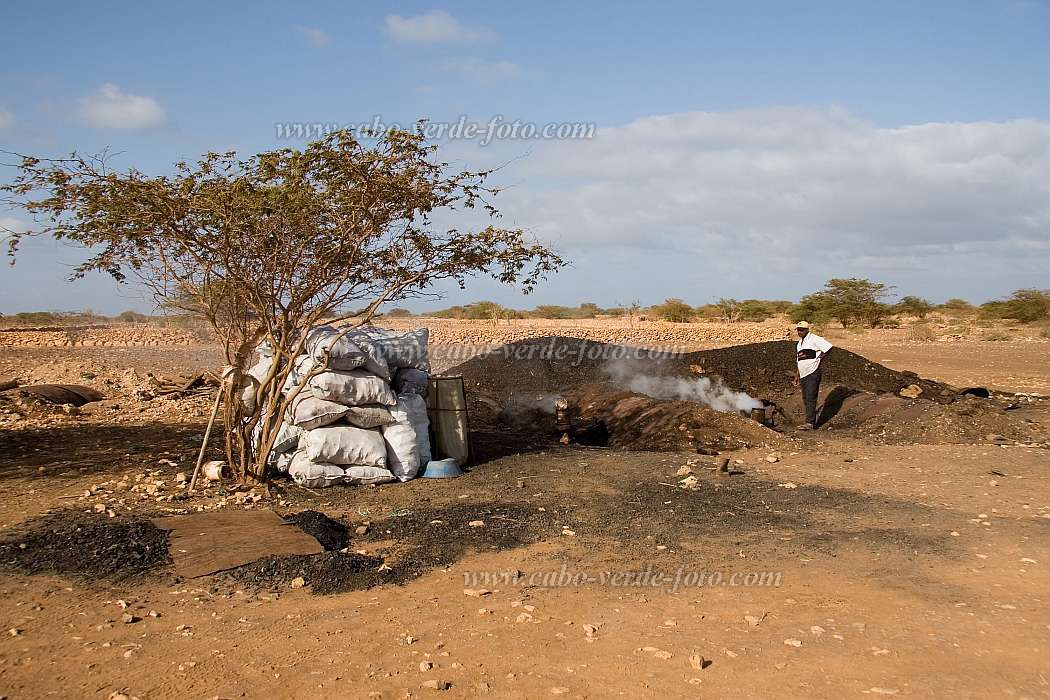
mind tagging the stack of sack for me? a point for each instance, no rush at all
(361, 415)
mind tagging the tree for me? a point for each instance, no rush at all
(1024, 305)
(589, 309)
(552, 311)
(848, 301)
(130, 316)
(728, 310)
(264, 248)
(913, 306)
(754, 310)
(674, 310)
(957, 306)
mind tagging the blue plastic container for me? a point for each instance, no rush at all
(442, 469)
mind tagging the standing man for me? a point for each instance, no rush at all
(810, 351)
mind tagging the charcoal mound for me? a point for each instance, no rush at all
(325, 573)
(332, 534)
(515, 386)
(86, 547)
(556, 364)
(768, 369)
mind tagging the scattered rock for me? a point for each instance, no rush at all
(698, 662)
(912, 391)
(436, 685)
(793, 642)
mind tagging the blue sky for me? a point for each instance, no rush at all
(742, 149)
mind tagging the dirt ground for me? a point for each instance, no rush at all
(897, 570)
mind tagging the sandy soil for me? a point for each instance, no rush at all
(904, 571)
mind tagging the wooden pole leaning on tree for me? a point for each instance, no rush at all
(226, 374)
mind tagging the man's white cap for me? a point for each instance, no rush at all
(802, 324)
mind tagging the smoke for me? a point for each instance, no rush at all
(713, 394)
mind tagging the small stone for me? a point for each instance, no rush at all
(476, 592)
(129, 619)
(568, 533)
(683, 471)
(476, 523)
(436, 685)
(698, 662)
(153, 614)
(793, 642)
(298, 582)
(14, 632)
(425, 666)
(772, 459)
(559, 690)
(524, 617)
(361, 530)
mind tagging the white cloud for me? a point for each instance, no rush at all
(484, 72)
(792, 187)
(111, 108)
(7, 119)
(315, 36)
(434, 27)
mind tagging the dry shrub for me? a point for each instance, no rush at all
(923, 333)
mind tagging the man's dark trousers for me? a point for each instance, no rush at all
(810, 389)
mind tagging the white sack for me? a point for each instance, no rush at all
(345, 444)
(283, 462)
(354, 349)
(287, 438)
(417, 414)
(352, 388)
(368, 475)
(314, 475)
(309, 412)
(401, 348)
(408, 380)
(369, 416)
(406, 448)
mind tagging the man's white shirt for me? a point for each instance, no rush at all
(812, 341)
